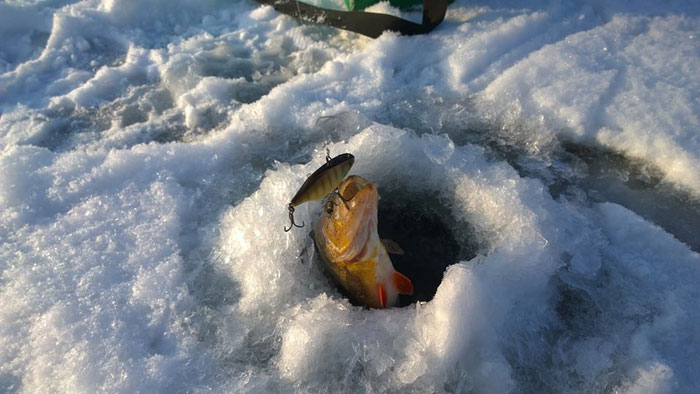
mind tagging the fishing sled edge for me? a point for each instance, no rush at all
(366, 23)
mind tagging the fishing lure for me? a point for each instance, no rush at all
(322, 182)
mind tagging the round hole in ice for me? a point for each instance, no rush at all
(431, 238)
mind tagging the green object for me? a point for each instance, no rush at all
(354, 5)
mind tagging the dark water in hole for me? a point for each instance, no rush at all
(425, 230)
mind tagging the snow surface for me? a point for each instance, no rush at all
(147, 154)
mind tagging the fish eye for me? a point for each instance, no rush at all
(329, 207)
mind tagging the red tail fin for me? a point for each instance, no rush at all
(402, 283)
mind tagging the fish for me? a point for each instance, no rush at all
(322, 182)
(349, 245)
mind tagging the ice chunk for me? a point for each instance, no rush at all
(439, 148)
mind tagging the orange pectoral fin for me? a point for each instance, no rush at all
(402, 283)
(382, 295)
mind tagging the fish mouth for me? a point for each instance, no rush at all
(367, 195)
(363, 210)
(359, 191)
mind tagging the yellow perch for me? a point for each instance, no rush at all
(347, 239)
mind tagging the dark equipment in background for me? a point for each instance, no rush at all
(366, 23)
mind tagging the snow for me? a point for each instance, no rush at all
(147, 156)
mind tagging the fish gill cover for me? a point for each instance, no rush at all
(547, 152)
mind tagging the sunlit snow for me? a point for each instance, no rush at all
(539, 162)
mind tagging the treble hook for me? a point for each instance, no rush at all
(291, 219)
(345, 202)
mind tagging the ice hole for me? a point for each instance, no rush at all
(431, 238)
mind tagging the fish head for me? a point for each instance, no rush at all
(348, 223)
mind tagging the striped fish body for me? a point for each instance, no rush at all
(324, 180)
(352, 251)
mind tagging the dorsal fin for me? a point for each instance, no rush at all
(392, 246)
